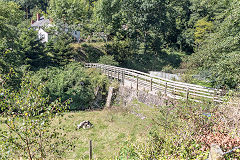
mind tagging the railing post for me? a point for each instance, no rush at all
(165, 92)
(137, 82)
(214, 95)
(123, 78)
(118, 74)
(115, 73)
(90, 150)
(108, 73)
(187, 96)
(151, 84)
(111, 74)
(194, 92)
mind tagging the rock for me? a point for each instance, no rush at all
(215, 152)
(85, 125)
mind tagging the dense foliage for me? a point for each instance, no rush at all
(84, 87)
(219, 52)
(182, 132)
(201, 36)
(208, 30)
(27, 116)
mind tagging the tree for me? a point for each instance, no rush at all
(32, 49)
(219, 52)
(27, 119)
(60, 50)
(107, 16)
(203, 28)
(150, 23)
(69, 11)
(28, 5)
(10, 17)
(189, 13)
(108, 60)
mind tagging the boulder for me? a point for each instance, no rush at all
(85, 125)
(216, 153)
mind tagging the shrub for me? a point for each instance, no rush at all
(84, 87)
(59, 50)
(107, 59)
(181, 132)
(121, 50)
(90, 53)
(25, 125)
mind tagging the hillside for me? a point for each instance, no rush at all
(49, 82)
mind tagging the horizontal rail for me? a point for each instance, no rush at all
(154, 83)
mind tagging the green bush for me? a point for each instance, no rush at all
(170, 137)
(186, 132)
(59, 50)
(25, 124)
(107, 59)
(121, 50)
(84, 87)
(90, 53)
(127, 55)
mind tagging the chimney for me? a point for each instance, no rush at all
(38, 16)
(51, 20)
(32, 21)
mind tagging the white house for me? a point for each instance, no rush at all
(43, 35)
(43, 23)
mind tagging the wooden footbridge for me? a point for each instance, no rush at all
(157, 85)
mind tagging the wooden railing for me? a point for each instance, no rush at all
(170, 88)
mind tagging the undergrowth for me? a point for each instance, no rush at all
(186, 132)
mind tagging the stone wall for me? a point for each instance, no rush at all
(125, 95)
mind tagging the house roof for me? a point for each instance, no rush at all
(41, 22)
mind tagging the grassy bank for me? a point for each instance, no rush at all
(174, 131)
(112, 129)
